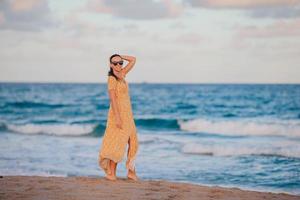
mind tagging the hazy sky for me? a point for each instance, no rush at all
(204, 41)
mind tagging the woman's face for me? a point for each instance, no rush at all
(117, 67)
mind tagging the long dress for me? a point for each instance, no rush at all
(115, 140)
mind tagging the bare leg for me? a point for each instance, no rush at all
(112, 176)
(113, 166)
(131, 174)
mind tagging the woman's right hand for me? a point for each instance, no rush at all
(119, 123)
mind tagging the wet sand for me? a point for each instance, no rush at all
(89, 188)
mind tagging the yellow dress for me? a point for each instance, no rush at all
(115, 140)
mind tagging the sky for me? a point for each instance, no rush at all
(174, 41)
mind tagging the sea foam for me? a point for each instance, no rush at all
(257, 127)
(53, 129)
(286, 149)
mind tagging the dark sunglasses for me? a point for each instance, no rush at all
(115, 63)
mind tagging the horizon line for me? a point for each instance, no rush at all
(147, 82)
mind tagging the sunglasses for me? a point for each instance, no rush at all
(115, 63)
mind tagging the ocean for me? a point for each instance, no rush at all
(230, 135)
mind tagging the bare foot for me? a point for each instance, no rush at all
(132, 176)
(111, 177)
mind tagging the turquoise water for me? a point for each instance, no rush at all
(232, 135)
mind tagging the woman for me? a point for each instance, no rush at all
(120, 127)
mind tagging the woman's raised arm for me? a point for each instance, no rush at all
(128, 67)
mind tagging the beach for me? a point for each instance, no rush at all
(201, 99)
(59, 188)
(242, 136)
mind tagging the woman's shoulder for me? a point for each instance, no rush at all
(111, 78)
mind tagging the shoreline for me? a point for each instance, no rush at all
(81, 187)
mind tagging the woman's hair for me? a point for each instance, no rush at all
(111, 72)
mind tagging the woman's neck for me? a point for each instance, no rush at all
(119, 75)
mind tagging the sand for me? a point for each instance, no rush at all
(89, 188)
